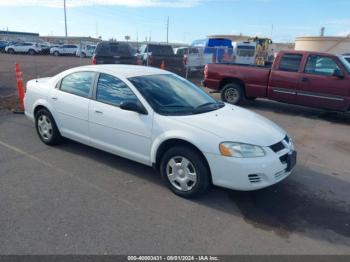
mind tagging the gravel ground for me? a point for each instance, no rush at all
(32, 67)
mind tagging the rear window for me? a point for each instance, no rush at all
(160, 49)
(113, 49)
(290, 62)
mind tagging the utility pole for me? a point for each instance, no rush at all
(65, 19)
(167, 31)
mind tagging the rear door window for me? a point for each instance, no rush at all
(79, 83)
(290, 62)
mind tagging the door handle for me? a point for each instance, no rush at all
(54, 98)
(98, 112)
(305, 80)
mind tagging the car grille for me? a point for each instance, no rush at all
(284, 158)
(254, 178)
(279, 146)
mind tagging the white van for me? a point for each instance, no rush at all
(244, 52)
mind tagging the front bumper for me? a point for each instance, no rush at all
(247, 174)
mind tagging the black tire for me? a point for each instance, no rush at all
(56, 53)
(201, 169)
(55, 137)
(232, 93)
(31, 52)
(10, 51)
(83, 55)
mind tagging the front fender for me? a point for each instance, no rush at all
(196, 140)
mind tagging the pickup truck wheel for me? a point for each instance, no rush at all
(46, 128)
(185, 172)
(232, 93)
(56, 53)
(11, 51)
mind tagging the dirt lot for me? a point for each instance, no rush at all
(32, 67)
(73, 199)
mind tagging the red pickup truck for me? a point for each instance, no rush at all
(297, 77)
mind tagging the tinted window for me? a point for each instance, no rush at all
(320, 65)
(290, 62)
(78, 83)
(113, 91)
(160, 49)
(113, 49)
(171, 95)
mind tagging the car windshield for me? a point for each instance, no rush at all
(168, 94)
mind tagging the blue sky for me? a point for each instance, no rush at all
(189, 19)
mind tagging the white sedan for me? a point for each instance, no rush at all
(162, 120)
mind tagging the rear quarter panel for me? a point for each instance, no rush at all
(255, 79)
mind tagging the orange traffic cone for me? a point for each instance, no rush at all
(20, 88)
(162, 65)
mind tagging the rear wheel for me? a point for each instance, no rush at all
(232, 93)
(56, 53)
(46, 128)
(31, 52)
(185, 171)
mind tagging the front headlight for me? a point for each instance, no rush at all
(240, 150)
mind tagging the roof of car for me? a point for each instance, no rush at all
(126, 71)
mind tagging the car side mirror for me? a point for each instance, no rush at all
(338, 73)
(131, 105)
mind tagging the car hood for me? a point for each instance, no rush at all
(235, 124)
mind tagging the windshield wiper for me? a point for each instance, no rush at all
(206, 107)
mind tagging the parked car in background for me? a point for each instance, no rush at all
(108, 52)
(157, 54)
(45, 48)
(297, 77)
(64, 50)
(3, 44)
(159, 119)
(86, 51)
(194, 58)
(26, 47)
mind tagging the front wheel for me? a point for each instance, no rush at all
(11, 51)
(56, 53)
(46, 128)
(185, 171)
(232, 93)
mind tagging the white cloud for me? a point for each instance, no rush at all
(78, 3)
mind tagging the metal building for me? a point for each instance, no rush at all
(19, 36)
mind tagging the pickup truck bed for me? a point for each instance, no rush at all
(296, 77)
